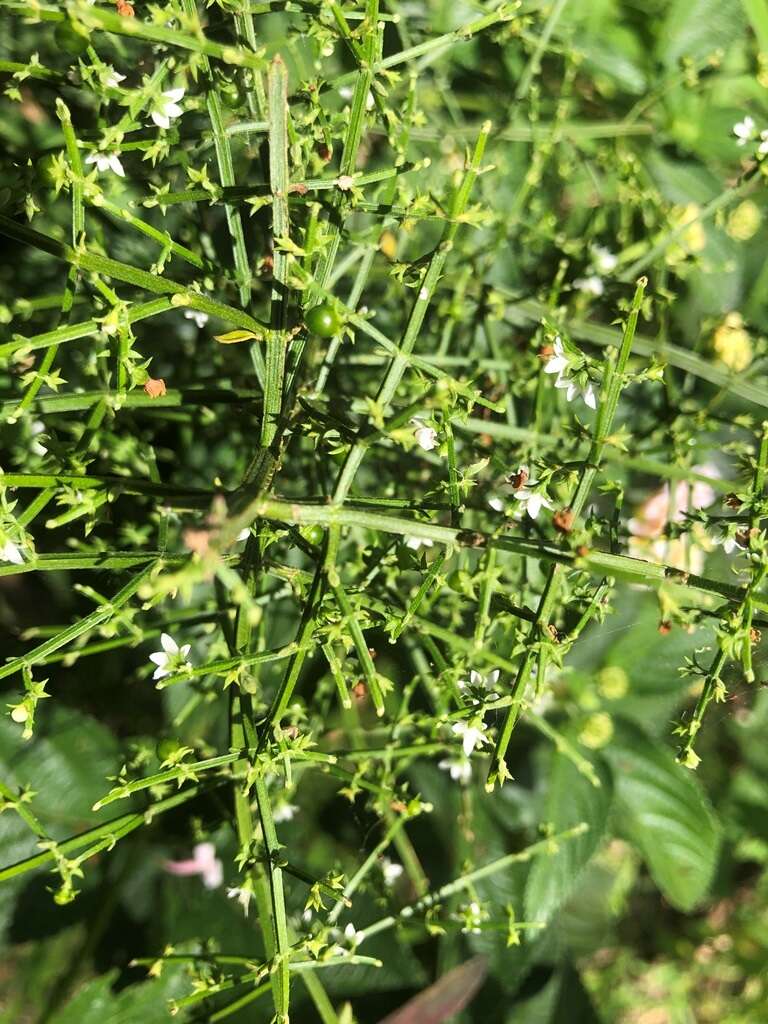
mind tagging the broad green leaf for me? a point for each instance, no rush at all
(696, 28)
(147, 1002)
(665, 813)
(571, 798)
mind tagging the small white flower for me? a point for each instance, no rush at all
(170, 655)
(480, 682)
(391, 871)
(591, 285)
(201, 319)
(10, 553)
(471, 736)
(414, 543)
(459, 767)
(352, 935)
(244, 534)
(284, 812)
(113, 79)
(242, 895)
(473, 918)
(744, 130)
(603, 259)
(35, 428)
(531, 502)
(203, 862)
(345, 91)
(426, 437)
(496, 504)
(572, 389)
(762, 149)
(167, 107)
(558, 362)
(106, 162)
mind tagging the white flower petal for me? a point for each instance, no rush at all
(115, 165)
(11, 553)
(168, 644)
(174, 95)
(159, 658)
(160, 119)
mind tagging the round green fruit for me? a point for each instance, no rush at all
(71, 38)
(314, 533)
(323, 320)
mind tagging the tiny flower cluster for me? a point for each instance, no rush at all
(560, 364)
(746, 131)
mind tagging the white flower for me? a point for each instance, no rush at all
(10, 553)
(558, 362)
(459, 767)
(203, 862)
(744, 130)
(244, 534)
(603, 259)
(530, 501)
(391, 870)
(414, 543)
(113, 79)
(170, 655)
(106, 162)
(572, 389)
(284, 812)
(474, 917)
(167, 107)
(352, 935)
(35, 428)
(242, 895)
(426, 437)
(496, 504)
(471, 736)
(481, 682)
(592, 285)
(201, 319)
(762, 149)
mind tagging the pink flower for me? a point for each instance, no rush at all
(667, 506)
(204, 862)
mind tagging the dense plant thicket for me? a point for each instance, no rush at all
(382, 544)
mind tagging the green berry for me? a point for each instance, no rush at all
(71, 38)
(314, 533)
(323, 320)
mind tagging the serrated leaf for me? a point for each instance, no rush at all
(665, 814)
(233, 337)
(96, 1003)
(571, 798)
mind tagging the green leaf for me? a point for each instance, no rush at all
(571, 798)
(696, 29)
(96, 1003)
(665, 813)
(232, 337)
